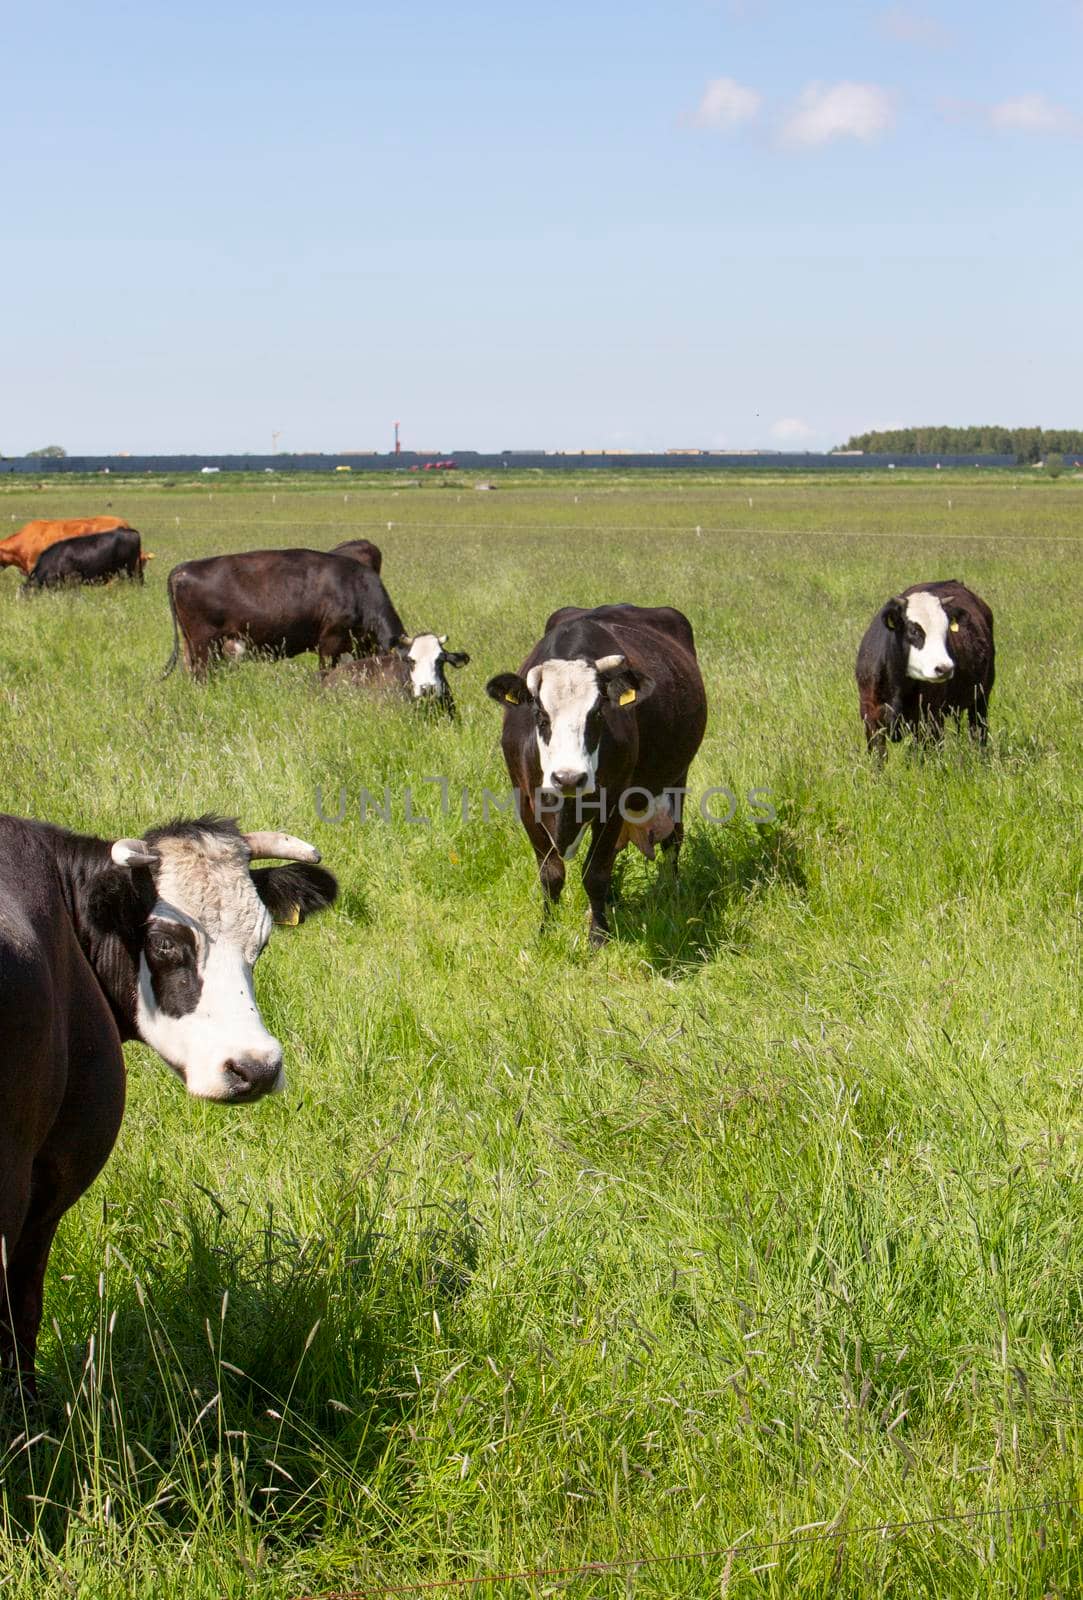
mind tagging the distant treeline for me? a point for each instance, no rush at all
(1026, 444)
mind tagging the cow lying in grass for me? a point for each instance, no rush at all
(412, 671)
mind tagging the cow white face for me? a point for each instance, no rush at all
(568, 698)
(427, 658)
(926, 636)
(204, 932)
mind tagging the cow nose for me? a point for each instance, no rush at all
(255, 1073)
(569, 778)
(945, 669)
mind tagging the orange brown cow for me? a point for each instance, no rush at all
(22, 549)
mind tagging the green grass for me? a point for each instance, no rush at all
(765, 1216)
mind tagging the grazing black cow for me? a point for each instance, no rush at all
(93, 558)
(601, 723)
(100, 942)
(927, 652)
(414, 670)
(363, 550)
(283, 602)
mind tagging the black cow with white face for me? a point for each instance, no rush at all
(927, 653)
(104, 941)
(414, 670)
(601, 723)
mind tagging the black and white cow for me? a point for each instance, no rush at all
(601, 723)
(928, 652)
(413, 670)
(104, 941)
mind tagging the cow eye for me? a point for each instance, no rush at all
(163, 946)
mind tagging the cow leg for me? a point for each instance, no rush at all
(671, 846)
(196, 650)
(332, 643)
(74, 1153)
(24, 1292)
(876, 733)
(598, 873)
(551, 869)
(14, 1204)
(872, 717)
(53, 1191)
(977, 716)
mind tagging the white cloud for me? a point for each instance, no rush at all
(792, 430)
(726, 104)
(1035, 113)
(906, 26)
(827, 111)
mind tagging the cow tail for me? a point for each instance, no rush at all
(172, 662)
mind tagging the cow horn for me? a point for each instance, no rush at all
(279, 847)
(609, 663)
(134, 853)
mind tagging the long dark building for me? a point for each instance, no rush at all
(474, 461)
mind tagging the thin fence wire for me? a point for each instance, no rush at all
(800, 1536)
(272, 524)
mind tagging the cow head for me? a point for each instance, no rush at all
(426, 659)
(570, 701)
(922, 624)
(194, 918)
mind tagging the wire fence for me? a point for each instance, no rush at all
(808, 1535)
(699, 530)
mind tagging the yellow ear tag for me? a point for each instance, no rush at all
(953, 627)
(627, 697)
(292, 919)
(890, 622)
(512, 699)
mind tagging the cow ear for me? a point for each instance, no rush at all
(293, 893)
(955, 616)
(625, 685)
(509, 688)
(456, 658)
(893, 614)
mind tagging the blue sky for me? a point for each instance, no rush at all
(724, 223)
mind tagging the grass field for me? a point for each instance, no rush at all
(760, 1228)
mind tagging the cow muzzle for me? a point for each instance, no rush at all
(251, 1074)
(565, 783)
